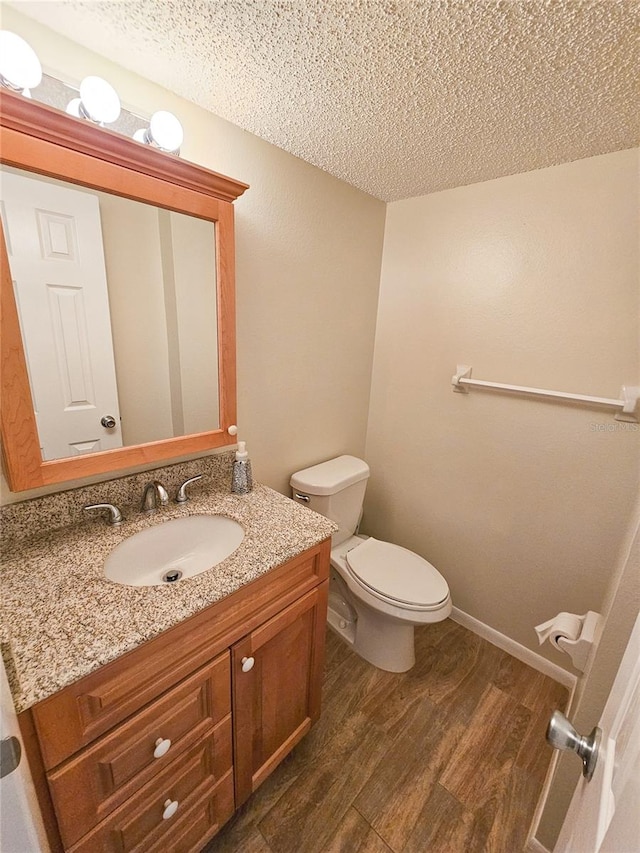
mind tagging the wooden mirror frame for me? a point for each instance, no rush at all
(46, 141)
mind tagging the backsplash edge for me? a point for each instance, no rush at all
(23, 519)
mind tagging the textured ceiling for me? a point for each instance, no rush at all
(398, 97)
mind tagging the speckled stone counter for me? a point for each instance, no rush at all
(62, 618)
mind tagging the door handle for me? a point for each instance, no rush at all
(108, 421)
(10, 755)
(562, 735)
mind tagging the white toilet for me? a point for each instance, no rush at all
(378, 591)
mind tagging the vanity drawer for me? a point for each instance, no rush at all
(199, 824)
(98, 702)
(89, 786)
(140, 825)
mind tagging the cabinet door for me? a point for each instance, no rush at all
(277, 680)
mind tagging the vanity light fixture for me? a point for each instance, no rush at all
(164, 132)
(98, 101)
(20, 68)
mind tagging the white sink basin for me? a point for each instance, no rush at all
(173, 550)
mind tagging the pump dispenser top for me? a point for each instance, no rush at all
(241, 452)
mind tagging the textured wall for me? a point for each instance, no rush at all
(532, 280)
(308, 250)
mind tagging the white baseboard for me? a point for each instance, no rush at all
(534, 846)
(518, 651)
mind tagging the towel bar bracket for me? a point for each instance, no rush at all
(463, 371)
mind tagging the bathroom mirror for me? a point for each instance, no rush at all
(117, 315)
(129, 356)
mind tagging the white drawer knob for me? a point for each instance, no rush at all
(170, 808)
(247, 664)
(162, 747)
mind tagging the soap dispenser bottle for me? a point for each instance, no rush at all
(241, 480)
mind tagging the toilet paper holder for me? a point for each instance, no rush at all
(572, 634)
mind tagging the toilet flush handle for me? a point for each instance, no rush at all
(304, 498)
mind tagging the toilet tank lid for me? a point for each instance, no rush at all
(330, 477)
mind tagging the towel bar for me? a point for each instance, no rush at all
(628, 401)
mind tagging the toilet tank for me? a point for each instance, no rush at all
(336, 490)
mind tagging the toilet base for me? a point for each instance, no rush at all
(341, 617)
(385, 643)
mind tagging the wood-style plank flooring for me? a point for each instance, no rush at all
(447, 758)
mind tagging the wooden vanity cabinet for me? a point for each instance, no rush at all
(156, 750)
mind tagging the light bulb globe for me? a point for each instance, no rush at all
(166, 131)
(100, 101)
(19, 66)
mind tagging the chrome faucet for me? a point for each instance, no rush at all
(154, 495)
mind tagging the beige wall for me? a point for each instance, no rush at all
(194, 271)
(161, 274)
(308, 250)
(533, 280)
(138, 318)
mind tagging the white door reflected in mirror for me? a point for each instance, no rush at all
(118, 311)
(54, 240)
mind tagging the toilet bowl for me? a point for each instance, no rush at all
(378, 591)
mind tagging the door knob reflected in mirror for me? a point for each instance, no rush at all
(108, 421)
(562, 735)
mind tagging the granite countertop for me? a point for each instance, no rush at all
(62, 618)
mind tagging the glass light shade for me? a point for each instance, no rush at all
(73, 108)
(98, 101)
(164, 132)
(20, 68)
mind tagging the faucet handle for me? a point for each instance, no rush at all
(181, 496)
(115, 516)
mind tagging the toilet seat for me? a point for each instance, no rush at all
(397, 574)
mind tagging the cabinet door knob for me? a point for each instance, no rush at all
(170, 808)
(247, 664)
(162, 747)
